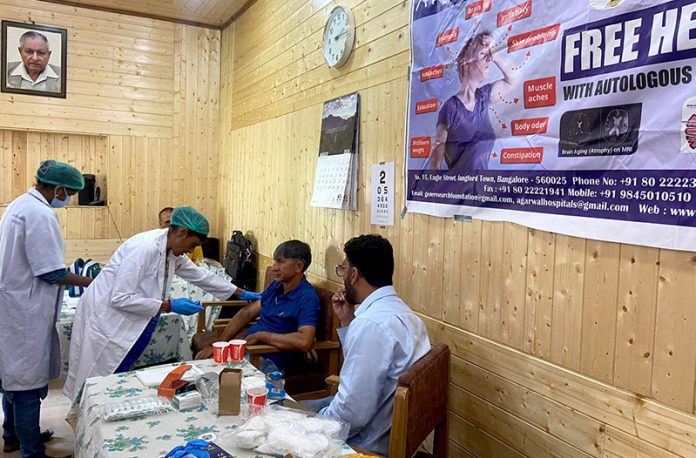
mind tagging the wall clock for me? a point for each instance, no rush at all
(339, 36)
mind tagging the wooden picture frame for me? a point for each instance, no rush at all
(40, 66)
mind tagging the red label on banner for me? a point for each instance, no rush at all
(448, 36)
(522, 155)
(420, 147)
(476, 8)
(530, 126)
(515, 13)
(426, 106)
(533, 38)
(540, 93)
(431, 73)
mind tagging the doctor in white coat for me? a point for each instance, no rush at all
(32, 275)
(118, 313)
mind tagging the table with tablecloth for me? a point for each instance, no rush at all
(153, 436)
(172, 337)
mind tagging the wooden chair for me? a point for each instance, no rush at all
(308, 380)
(420, 405)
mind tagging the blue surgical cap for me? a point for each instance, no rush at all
(60, 174)
(190, 218)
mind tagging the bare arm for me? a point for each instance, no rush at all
(302, 340)
(438, 154)
(510, 79)
(76, 280)
(241, 319)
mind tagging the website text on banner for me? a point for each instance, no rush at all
(572, 117)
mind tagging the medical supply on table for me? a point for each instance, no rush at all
(188, 400)
(275, 382)
(136, 408)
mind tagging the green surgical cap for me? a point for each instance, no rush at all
(60, 174)
(190, 218)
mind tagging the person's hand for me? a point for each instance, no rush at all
(254, 339)
(185, 306)
(249, 296)
(343, 310)
(206, 353)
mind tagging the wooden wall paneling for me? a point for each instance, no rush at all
(455, 451)
(507, 428)
(200, 137)
(635, 323)
(471, 276)
(568, 281)
(618, 444)
(491, 279)
(19, 164)
(539, 303)
(599, 310)
(420, 289)
(476, 440)
(453, 258)
(435, 271)
(514, 271)
(674, 364)
(647, 420)
(6, 169)
(543, 413)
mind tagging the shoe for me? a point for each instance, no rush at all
(10, 447)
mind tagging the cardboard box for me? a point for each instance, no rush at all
(230, 391)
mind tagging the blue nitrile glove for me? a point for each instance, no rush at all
(185, 306)
(197, 448)
(249, 296)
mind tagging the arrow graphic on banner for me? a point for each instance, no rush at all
(524, 62)
(495, 113)
(514, 101)
(504, 37)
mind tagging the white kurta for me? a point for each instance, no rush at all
(30, 245)
(115, 309)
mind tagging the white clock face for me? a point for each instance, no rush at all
(339, 35)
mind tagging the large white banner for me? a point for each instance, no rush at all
(576, 117)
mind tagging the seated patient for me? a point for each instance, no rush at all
(288, 312)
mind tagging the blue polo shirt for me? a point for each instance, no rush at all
(285, 313)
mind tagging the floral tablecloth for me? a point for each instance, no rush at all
(172, 338)
(154, 436)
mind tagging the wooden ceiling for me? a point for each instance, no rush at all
(209, 13)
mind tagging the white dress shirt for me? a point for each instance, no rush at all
(41, 81)
(379, 345)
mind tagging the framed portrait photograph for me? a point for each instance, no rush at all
(34, 59)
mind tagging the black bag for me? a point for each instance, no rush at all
(239, 261)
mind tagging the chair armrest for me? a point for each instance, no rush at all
(332, 382)
(262, 348)
(326, 345)
(201, 314)
(237, 303)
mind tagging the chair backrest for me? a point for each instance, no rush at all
(420, 404)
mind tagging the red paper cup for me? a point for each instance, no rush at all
(257, 399)
(221, 352)
(237, 348)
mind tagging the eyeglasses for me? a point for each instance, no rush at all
(341, 269)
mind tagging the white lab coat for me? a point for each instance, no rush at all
(30, 245)
(115, 309)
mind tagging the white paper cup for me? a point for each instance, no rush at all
(256, 397)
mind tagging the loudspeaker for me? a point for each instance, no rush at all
(86, 196)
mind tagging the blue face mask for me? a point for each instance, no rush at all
(57, 203)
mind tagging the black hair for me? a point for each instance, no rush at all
(165, 209)
(294, 249)
(201, 237)
(373, 256)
